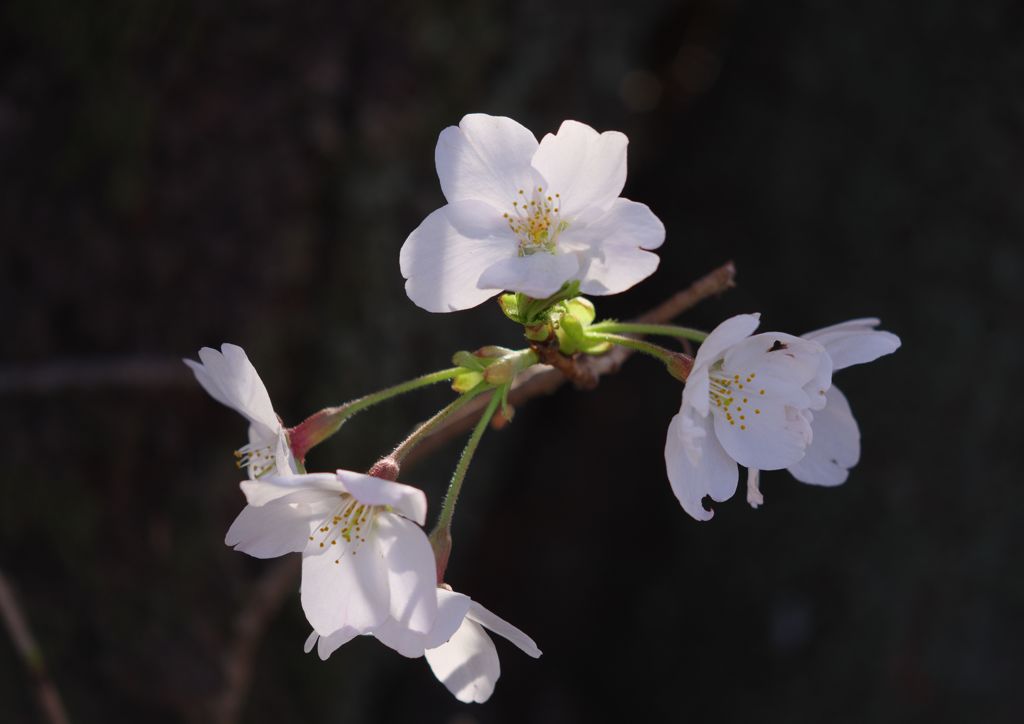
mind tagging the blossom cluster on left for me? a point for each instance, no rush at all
(367, 566)
(541, 225)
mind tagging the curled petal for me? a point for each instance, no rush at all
(855, 342)
(697, 465)
(229, 377)
(835, 447)
(467, 664)
(503, 628)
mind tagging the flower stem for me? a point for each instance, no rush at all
(665, 330)
(323, 424)
(387, 393)
(654, 350)
(417, 436)
(444, 519)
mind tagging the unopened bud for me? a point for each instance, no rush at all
(502, 417)
(385, 468)
(679, 365)
(492, 351)
(537, 332)
(315, 429)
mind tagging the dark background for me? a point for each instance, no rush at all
(179, 174)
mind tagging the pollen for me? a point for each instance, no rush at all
(536, 221)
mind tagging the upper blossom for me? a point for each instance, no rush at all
(528, 217)
(229, 377)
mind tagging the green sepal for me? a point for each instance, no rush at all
(467, 381)
(468, 360)
(510, 306)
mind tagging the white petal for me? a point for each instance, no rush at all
(396, 636)
(767, 434)
(405, 499)
(310, 642)
(344, 585)
(503, 628)
(616, 259)
(329, 644)
(479, 220)
(835, 447)
(712, 473)
(468, 664)
(855, 342)
(786, 362)
(442, 267)
(754, 497)
(537, 275)
(585, 167)
(724, 336)
(276, 528)
(272, 487)
(237, 383)
(452, 607)
(485, 158)
(412, 572)
(207, 382)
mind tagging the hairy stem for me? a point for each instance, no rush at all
(425, 428)
(665, 330)
(444, 519)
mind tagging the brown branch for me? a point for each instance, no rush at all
(538, 381)
(584, 371)
(58, 376)
(268, 595)
(31, 655)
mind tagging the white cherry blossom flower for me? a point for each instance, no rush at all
(365, 558)
(748, 400)
(229, 377)
(458, 649)
(835, 447)
(528, 217)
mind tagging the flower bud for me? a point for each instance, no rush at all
(679, 365)
(385, 468)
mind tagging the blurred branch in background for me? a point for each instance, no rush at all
(30, 654)
(271, 590)
(64, 375)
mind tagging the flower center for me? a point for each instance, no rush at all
(350, 523)
(732, 395)
(535, 220)
(259, 460)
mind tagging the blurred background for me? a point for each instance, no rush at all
(180, 174)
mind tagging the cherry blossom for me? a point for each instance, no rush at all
(527, 217)
(748, 400)
(229, 377)
(365, 558)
